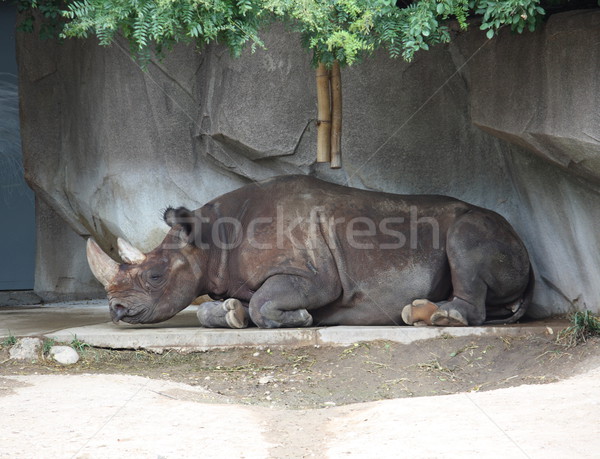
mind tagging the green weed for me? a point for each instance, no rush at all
(585, 325)
(79, 345)
(48, 343)
(10, 340)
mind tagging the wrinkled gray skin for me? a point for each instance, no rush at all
(305, 253)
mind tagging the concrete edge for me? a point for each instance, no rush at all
(202, 339)
(12, 298)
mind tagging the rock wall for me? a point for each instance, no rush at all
(61, 270)
(552, 104)
(510, 124)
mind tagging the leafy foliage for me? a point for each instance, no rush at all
(344, 30)
(50, 11)
(519, 14)
(162, 23)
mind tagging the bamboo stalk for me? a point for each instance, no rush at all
(336, 116)
(323, 115)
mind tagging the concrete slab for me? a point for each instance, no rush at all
(189, 339)
(185, 339)
(34, 320)
(18, 297)
(345, 336)
(89, 322)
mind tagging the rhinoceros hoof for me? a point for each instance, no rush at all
(307, 317)
(236, 316)
(419, 312)
(451, 318)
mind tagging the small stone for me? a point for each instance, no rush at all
(64, 355)
(266, 380)
(26, 349)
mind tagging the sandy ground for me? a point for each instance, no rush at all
(113, 416)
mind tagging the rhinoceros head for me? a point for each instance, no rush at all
(151, 287)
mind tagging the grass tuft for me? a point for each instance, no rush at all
(10, 340)
(585, 325)
(79, 345)
(48, 343)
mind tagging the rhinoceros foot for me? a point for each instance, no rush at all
(419, 313)
(424, 312)
(450, 318)
(223, 314)
(236, 316)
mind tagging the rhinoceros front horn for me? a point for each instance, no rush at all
(129, 253)
(103, 267)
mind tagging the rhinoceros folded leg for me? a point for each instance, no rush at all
(284, 301)
(488, 264)
(273, 317)
(230, 313)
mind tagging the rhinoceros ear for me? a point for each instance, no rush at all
(180, 216)
(186, 222)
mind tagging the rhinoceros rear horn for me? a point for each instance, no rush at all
(129, 253)
(103, 267)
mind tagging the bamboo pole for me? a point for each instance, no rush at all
(323, 115)
(336, 116)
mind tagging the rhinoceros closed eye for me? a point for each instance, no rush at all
(154, 279)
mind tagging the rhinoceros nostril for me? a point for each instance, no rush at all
(118, 312)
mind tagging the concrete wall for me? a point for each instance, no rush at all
(510, 124)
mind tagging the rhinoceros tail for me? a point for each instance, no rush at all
(520, 306)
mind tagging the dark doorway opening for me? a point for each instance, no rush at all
(17, 203)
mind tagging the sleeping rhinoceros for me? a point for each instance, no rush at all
(295, 251)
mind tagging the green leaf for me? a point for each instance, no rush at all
(346, 30)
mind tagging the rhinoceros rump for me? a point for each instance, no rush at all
(295, 251)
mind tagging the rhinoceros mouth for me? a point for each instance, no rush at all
(130, 315)
(118, 312)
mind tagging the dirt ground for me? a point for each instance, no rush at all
(319, 377)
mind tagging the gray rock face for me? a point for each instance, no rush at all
(64, 355)
(552, 104)
(26, 349)
(511, 124)
(62, 274)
